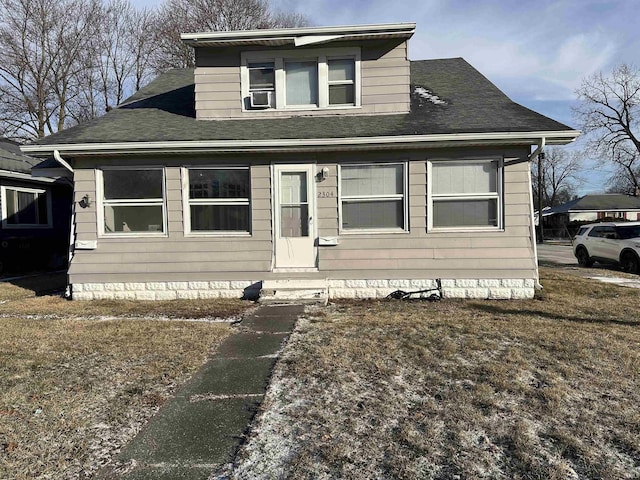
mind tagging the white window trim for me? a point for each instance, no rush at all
(38, 191)
(187, 202)
(499, 195)
(404, 196)
(100, 204)
(341, 82)
(319, 55)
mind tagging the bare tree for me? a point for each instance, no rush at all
(560, 176)
(43, 46)
(609, 112)
(180, 16)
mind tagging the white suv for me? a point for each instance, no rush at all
(617, 243)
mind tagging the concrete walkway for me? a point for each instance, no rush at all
(200, 430)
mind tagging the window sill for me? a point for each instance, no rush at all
(217, 234)
(466, 230)
(134, 235)
(303, 108)
(373, 231)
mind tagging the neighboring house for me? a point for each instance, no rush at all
(36, 214)
(316, 155)
(564, 220)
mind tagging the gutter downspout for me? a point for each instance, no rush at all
(62, 161)
(532, 225)
(72, 226)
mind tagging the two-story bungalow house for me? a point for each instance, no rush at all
(311, 156)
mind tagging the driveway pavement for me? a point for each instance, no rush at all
(556, 253)
(562, 255)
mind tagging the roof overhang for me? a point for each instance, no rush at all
(25, 177)
(299, 37)
(315, 144)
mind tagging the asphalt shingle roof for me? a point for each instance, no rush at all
(12, 160)
(164, 111)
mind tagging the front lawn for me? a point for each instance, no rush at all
(539, 389)
(79, 379)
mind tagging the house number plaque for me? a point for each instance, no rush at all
(326, 194)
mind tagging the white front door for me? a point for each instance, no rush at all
(294, 211)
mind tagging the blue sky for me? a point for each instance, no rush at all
(537, 52)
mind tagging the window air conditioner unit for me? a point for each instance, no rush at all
(261, 99)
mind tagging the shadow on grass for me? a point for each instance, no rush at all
(41, 284)
(494, 309)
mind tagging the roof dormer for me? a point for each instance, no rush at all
(351, 70)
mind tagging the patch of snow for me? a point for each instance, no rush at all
(427, 95)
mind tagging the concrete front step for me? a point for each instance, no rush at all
(294, 291)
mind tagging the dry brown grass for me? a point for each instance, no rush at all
(539, 389)
(73, 390)
(21, 302)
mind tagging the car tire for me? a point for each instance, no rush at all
(630, 262)
(584, 260)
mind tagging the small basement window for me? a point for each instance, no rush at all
(465, 194)
(219, 200)
(133, 201)
(373, 197)
(25, 208)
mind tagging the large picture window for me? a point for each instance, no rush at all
(373, 197)
(465, 194)
(219, 199)
(25, 208)
(133, 201)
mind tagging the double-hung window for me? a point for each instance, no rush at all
(301, 79)
(133, 201)
(25, 208)
(262, 85)
(342, 81)
(219, 200)
(465, 194)
(373, 197)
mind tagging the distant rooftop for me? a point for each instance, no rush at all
(596, 203)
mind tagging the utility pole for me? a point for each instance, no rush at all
(540, 190)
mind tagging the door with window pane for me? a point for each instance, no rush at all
(294, 237)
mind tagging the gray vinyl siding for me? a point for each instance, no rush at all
(385, 77)
(417, 253)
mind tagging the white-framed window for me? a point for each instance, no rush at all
(262, 84)
(24, 207)
(465, 194)
(342, 81)
(131, 201)
(301, 79)
(219, 200)
(373, 197)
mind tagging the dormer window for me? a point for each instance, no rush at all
(342, 81)
(306, 79)
(302, 83)
(262, 84)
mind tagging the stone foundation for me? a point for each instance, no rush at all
(459, 288)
